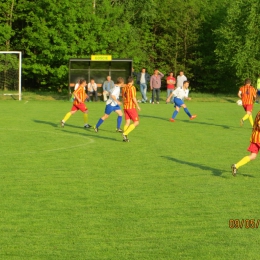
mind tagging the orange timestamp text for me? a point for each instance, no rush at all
(244, 223)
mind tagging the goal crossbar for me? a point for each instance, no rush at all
(20, 71)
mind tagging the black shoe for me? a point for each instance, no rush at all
(87, 126)
(95, 129)
(125, 139)
(119, 130)
(234, 169)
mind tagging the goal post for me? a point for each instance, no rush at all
(11, 73)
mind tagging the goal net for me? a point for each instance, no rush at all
(10, 73)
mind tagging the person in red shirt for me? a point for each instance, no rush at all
(254, 146)
(170, 85)
(79, 98)
(248, 95)
(130, 105)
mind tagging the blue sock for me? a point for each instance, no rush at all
(119, 121)
(187, 111)
(175, 113)
(100, 121)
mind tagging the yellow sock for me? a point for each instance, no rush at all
(129, 129)
(67, 116)
(245, 117)
(242, 162)
(125, 127)
(85, 117)
(251, 120)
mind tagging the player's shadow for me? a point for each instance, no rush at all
(215, 172)
(45, 122)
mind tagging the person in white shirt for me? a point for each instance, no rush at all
(92, 89)
(180, 94)
(180, 79)
(113, 104)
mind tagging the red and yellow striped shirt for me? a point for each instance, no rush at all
(81, 93)
(255, 137)
(128, 93)
(248, 94)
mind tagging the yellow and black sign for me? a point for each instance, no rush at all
(101, 57)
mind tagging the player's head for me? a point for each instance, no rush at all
(256, 125)
(120, 80)
(143, 70)
(130, 80)
(247, 81)
(82, 81)
(171, 74)
(186, 84)
(181, 72)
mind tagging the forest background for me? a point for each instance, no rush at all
(216, 42)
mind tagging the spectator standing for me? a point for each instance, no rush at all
(170, 84)
(142, 79)
(180, 79)
(107, 86)
(155, 85)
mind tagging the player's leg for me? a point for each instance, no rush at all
(188, 112)
(108, 111)
(134, 117)
(74, 109)
(119, 120)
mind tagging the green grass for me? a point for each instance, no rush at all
(168, 194)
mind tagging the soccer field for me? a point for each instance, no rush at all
(71, 193)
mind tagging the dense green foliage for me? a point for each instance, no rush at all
(70, 193)
(216, 42)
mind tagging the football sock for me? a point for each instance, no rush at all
(187, 111)
(251, 120)
(125, 127)
(67, 116)
(100, 121)
(242, 162)
(245, 117)
(85, 117)
(119, 121)
(129, 129)
(175, 113)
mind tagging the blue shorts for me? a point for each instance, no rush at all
(109, 109)
(178, 102)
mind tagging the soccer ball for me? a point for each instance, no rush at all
(239, 102)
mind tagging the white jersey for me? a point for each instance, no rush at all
(180, 80)
(115, 91)
(181, 93)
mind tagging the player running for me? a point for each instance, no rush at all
(113, 104)
(130, 105)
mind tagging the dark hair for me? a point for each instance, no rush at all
(120, 80)
(81, 81)
(257, 119)
(130, 79)
(186, 81)
(247, 81)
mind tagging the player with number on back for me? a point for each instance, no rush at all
(130, 105)
(248, 94)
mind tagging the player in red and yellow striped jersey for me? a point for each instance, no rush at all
(254, 146)
(130, 106)
(78, 104)
(248, 94)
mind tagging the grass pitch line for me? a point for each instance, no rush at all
(26, 151)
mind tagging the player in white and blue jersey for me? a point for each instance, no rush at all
(113, 105)
(180, 94)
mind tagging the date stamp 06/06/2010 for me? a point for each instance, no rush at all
(244, 223)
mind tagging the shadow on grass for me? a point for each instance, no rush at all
(215, 172)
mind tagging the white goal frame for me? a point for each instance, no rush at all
(20, 71)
